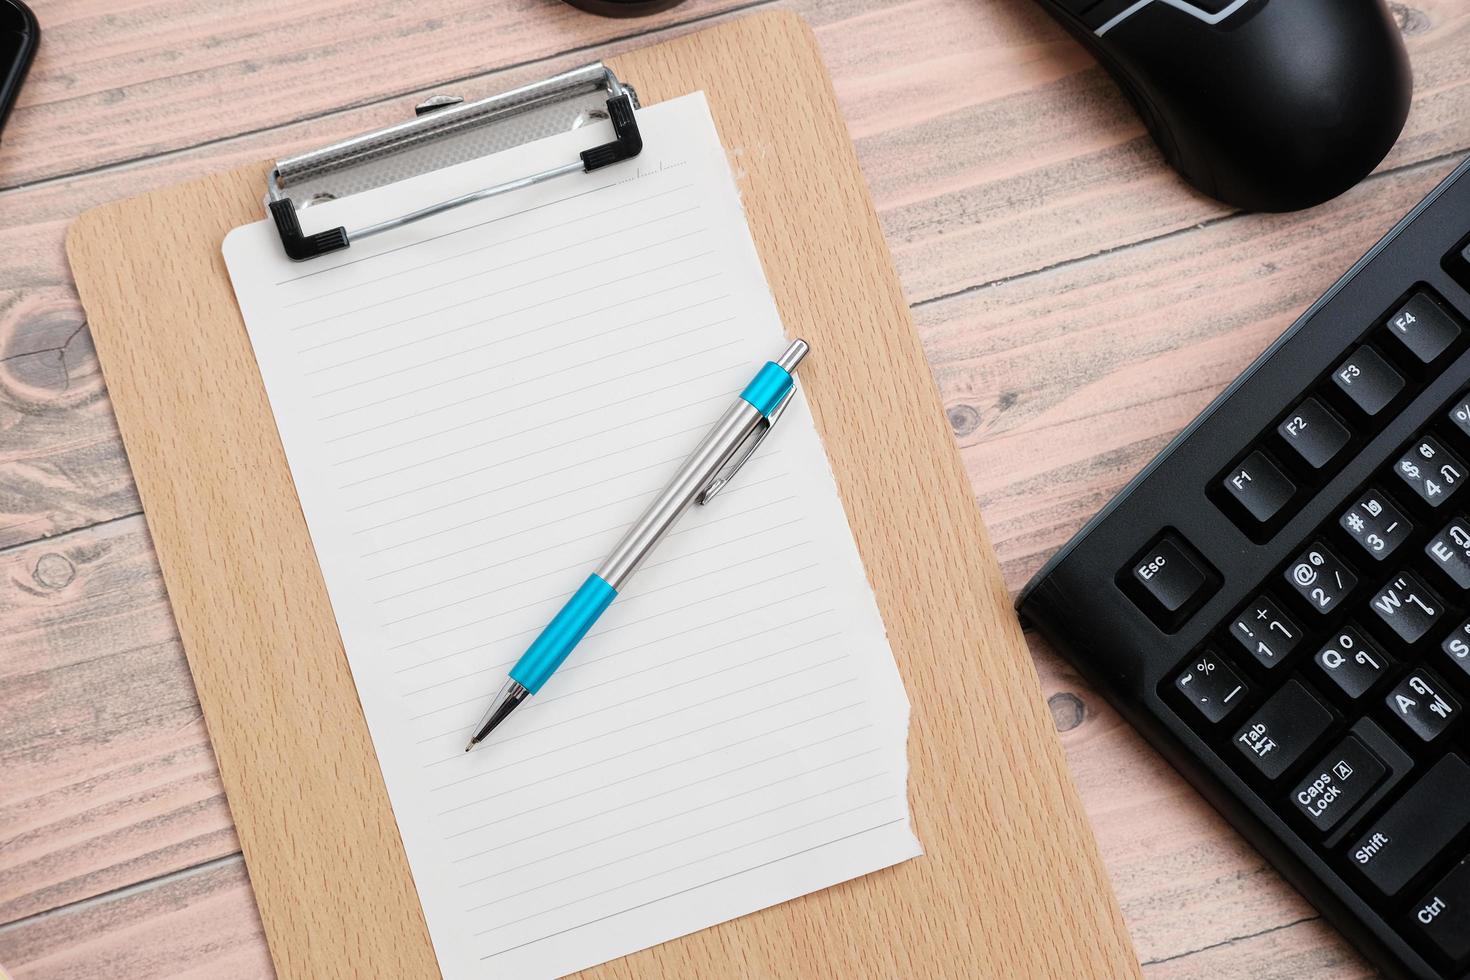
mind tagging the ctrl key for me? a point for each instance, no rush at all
(1444, 914)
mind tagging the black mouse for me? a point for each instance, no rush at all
(1267, 105)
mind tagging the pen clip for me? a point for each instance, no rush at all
(747, 449)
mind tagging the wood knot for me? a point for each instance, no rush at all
(1411, 22)
(54, 571)
(1067, 711)
(963, 419)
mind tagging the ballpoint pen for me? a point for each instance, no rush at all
(721, 453)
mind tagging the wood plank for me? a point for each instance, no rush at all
(1185, 879)
(108, 773)
(250, 587)
(995, 146)
(1038, 161)
(1300, 949)
(115, 81)
(67, 469)
(1120, 352)
(201, 924)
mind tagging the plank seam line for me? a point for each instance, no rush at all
(7, 549)
(1232, 940)
(122, 891)
(380, 100)
(1447, 157)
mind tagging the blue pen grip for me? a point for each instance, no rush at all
(563, 633)
(767, 388)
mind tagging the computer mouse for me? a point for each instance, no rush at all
(1266, 105)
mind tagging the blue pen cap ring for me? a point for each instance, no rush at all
(767, 388)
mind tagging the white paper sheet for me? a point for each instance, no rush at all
(474, 409)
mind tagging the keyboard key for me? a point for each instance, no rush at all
(1430, 470)
(1314, 433)
(1376, 524)
(1212, 687)
(1402, 842)
(1459, 415)
(1408, 607)
(1265, 632)
(1170, 575)
(1450, 550)
(1444, 914)
(1422, 702)
(1354, 663)
(1335, 786)
(1456, 646)
(1259, 487)
(1423, 328)
(1367, 379)
(1286, 727)
(1320, 578)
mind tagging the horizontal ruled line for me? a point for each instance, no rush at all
(662, 845)
(689, 864)
(501, 316)
(697, 782)
(442, 283)
(653, 823)
(694, 888)
(664, 690)
(504, 664)
(480, 224)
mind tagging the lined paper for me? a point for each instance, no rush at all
(474, 409)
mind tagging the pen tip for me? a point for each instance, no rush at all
(470, 746)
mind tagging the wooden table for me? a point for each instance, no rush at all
(1077, 302)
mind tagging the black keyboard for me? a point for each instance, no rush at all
(1280, 601)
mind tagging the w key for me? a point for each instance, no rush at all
(1408, 607)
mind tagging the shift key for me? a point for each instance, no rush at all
(1414, 832)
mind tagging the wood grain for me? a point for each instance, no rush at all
(948, 102)
(199, 923)
(993, 144)
(990, 796)
(113, 83)
(108, 774)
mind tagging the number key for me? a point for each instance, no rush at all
(1376, 524)
(1430, 470)
(1320, 578)
(1459, 415)
(1265, 632)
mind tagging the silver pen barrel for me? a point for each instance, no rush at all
(713, 452)
(717, 448)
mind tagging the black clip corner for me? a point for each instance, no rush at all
(297, 245)
(627, 142)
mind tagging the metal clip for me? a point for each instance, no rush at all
(746, 450)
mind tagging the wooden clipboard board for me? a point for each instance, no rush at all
(1011, 884)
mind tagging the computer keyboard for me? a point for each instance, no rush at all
(1280, 601)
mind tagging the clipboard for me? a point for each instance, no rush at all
(1011, 884)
